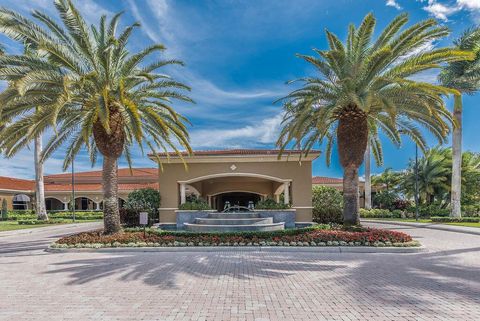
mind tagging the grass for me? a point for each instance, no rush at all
(412, 220)
(13, 225)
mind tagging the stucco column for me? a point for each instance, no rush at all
(286, 193)
(209, 200)
(183, 195)
(97, 206)
(65, 206)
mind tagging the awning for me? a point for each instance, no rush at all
(21, 198)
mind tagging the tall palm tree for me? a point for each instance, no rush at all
(90, 91)
(464, 76)
(364, 86)
(368, 178)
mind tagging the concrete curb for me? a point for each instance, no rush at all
(200, 249)
(433, 226)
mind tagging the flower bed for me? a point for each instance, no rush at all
(318, 236)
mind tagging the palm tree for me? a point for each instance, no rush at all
(364, 86)
(463, 76)
(368, 178)
(434, 174)
(91, 91)
(389, 179)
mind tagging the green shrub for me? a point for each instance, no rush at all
(144, 200)
(39, 222)
(378, 213)
(471, 210)
(327, 205)
(440, 219)
(195, 203)
(4, 210)
(78, 215)
(385, 200)
(271, 204)
(432, 210)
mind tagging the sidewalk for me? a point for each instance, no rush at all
(433, 226)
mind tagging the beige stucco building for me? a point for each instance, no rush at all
(237, 176)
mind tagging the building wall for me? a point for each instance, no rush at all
(299, 173)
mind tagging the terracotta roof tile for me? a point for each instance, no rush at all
(326, 180)
(122, 172)
(9, 183)
(96, 187)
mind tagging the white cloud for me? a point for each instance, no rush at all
(439, 10)
(264, 132)
(393, 3)
(469, 4)
(442, 11)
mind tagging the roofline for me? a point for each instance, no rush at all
(237, 154)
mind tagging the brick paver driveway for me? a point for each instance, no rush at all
(442, 284)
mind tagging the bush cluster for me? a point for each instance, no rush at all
(301, 237)
(327, 205)
(471, 210)
(195, 204)
(28, 215)
(440, 219)
(380, 213)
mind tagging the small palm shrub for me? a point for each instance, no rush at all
(327, 205)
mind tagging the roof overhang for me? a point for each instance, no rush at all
(242, 155)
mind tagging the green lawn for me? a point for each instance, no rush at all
(424, 221)
(13, 225)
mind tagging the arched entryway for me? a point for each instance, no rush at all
(240, 198)
(236, 188)
(54, 204)
(84, 204)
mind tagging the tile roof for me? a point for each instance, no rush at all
(122, 172)
(230, 152)
(326, 180)
(16, 184)
(52, 187)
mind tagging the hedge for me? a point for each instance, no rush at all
(380, 213)
(441, 219)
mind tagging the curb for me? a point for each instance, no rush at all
(432, 226)
(200, 249)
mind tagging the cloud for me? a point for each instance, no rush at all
(439, 10)
(442, 11)
(264, 132)
(393, 3)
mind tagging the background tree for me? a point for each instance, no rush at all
(434, 174)
(463, 76)
(388, 179)
(145, 199)
(364, 86)
(91, 91)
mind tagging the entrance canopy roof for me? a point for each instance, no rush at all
(217, 156)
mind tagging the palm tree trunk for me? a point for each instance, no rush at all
(457, 159)
(350, 196)
(111, 216)
(39, 186)
(368, 179)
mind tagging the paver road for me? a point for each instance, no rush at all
(441, 284)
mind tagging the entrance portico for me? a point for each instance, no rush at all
(237, 176)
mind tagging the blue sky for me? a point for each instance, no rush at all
(238, 56)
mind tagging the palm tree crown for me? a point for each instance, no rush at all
(89, 88)
(367, 85)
